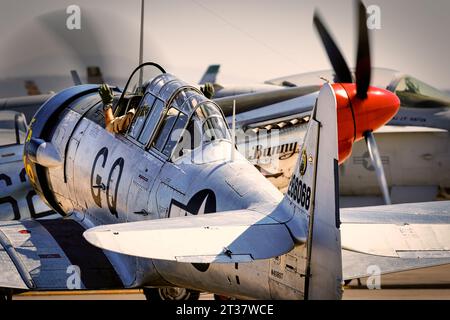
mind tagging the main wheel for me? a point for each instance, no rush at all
(170, 293)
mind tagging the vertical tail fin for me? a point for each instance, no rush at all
(75, 77)
(312, 202)
(94, 75)
(210, 74)
(324, 269)
(32, 88)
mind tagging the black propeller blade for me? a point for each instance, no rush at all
(378, 165)
(363, 77)
(337, 60)
(363, 65)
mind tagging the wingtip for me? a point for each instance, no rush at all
(88, 235)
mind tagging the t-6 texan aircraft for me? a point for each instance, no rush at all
(94, 178)
(171, 203)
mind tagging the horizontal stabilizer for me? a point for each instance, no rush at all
(402, 241)
(413, 230)
(227, 237)
(361, 265)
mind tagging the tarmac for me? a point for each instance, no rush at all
(425, 284)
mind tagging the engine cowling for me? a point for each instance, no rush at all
(38, 151)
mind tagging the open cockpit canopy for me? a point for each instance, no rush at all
(171, 116)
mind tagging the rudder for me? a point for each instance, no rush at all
(311, 205)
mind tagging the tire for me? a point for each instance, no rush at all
(170, 293)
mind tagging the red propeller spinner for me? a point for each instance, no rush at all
(356, 116)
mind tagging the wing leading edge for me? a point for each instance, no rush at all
(395, 238)
(419, 230)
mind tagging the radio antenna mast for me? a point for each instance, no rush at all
(141, 44)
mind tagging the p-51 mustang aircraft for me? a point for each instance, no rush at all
(287, 111)
(171, 203)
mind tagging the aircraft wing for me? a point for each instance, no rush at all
(228, 237)
(284, 111)
(52, 255)
(395, 238)
(27, 105)
(252, 109)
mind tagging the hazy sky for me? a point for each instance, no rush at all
(253, 40)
